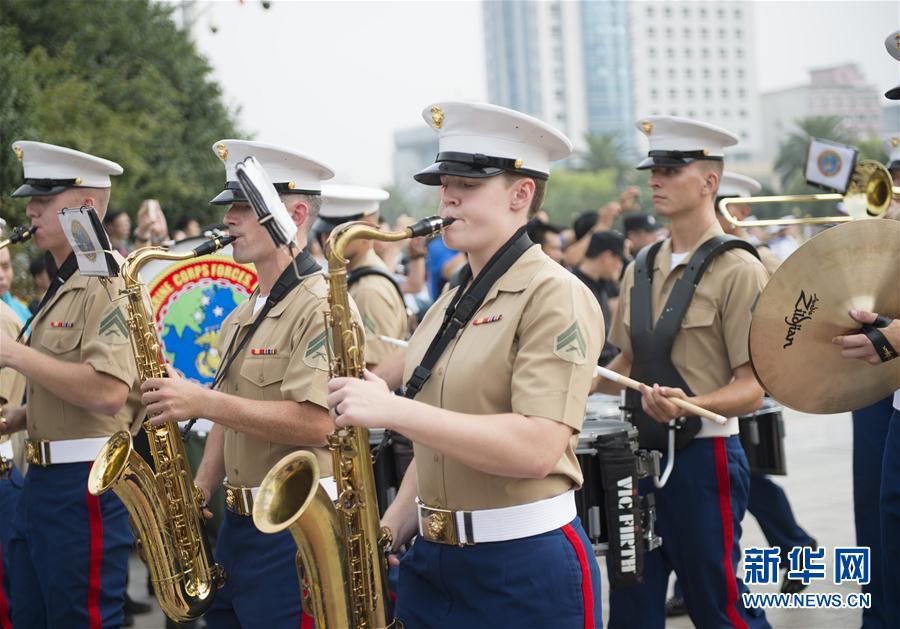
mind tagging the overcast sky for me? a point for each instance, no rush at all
(335, 79)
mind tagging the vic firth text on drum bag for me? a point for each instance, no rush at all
(622, 504)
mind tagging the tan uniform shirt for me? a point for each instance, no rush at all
(536, 359)
(285, 360)
(713, 340)
(81, 325)
(12, 383)
(383, 311)
(769, 259)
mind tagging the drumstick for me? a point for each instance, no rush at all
(393, 341)
(609, 374)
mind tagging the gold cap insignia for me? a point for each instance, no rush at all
(897, 40)
(518, 163)
(222, 151)
(20, 154)
(895, 141)
(646, 127)
(291, 185)
(77, 181)
(705, 152)
(437, 117)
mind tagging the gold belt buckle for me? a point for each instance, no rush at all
(37, 452)
(236, 500)
(438, 525)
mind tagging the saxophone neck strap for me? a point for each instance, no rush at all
(468, 299)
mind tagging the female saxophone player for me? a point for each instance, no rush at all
(496, 379)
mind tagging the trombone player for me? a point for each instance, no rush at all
(69, 550)
(269, 397)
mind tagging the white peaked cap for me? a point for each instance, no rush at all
(50, 169)
(482, 140)
(735, 185)
(343, 201)
(289, 170)
(678, 141)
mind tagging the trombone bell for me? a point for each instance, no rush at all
(869, 195)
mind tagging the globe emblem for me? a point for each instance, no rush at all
(829, 163)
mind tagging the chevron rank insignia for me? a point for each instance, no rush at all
(570, 344)
(113, 328)
(316, 354)
(369, 324)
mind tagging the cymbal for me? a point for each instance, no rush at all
(806, 304)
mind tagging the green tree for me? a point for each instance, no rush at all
(607, 152)
(570, 193)
(118, 79)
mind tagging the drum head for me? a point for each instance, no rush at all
(190, 300)
(601, 406)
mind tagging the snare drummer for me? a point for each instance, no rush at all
(699, 510)
(494, 427)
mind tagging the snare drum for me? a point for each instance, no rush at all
(762, 436)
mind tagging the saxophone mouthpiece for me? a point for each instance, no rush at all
(429, 226)
(213, 245)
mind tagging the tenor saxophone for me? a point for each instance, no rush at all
(165, 506)
(342, 545)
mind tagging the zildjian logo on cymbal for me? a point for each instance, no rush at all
(803, 311)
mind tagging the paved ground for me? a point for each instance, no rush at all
(819, 485)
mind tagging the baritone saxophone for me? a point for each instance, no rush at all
(165, 506)
(342, 545)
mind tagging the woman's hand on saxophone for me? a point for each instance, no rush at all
(354, 402)
(173, 398)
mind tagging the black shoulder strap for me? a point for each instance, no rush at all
(465, 304)
(364, 271)
(66, 271)
(291, 277)
(680, 299)
(641, 312)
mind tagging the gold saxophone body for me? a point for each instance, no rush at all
(164, 506)
(341, 545)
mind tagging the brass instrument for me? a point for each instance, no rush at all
(869, 195)
(341, 546)
(165, 506)
(19, 234)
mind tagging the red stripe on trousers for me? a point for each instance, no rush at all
(95, 518)
(724, 484)
(587, 592)
(5, 620)
(306, 621)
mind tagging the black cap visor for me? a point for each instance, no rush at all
(893, 93)
(674, 159)
(229, 196)
(431, 176)
(233, 193)
(43, 187)
(894, 165)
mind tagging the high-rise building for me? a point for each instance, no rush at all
(840, 90)
(414, 149)
(696, 59)
(566, 63)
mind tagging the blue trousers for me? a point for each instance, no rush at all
(547, 580)
(870, 429)
(890, 522)
(770, 506)
(261, 584)
(69, 552)
(699, 514)
(10, 488)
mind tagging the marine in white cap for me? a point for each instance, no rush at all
(374, 289)
(269, 397)
(696, 350)
(493, 408)
(80, 370)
